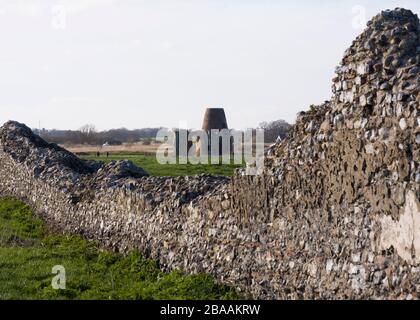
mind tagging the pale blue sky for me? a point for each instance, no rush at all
(131, 63)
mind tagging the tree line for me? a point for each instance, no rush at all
(88, 134)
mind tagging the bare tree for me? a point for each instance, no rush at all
(274, 129)
(88, 134)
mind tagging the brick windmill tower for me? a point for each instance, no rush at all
(214, 118)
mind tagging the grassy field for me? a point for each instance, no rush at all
(150, 164)
(28, 252)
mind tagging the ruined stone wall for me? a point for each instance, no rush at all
(335, 214)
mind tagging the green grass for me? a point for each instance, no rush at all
(28, 252)
(150, 164)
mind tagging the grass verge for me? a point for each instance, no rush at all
(28, 252)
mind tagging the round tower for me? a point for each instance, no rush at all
(214, 118)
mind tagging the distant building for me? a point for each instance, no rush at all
(214, 119)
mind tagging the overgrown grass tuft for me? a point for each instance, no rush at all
(28, 252)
